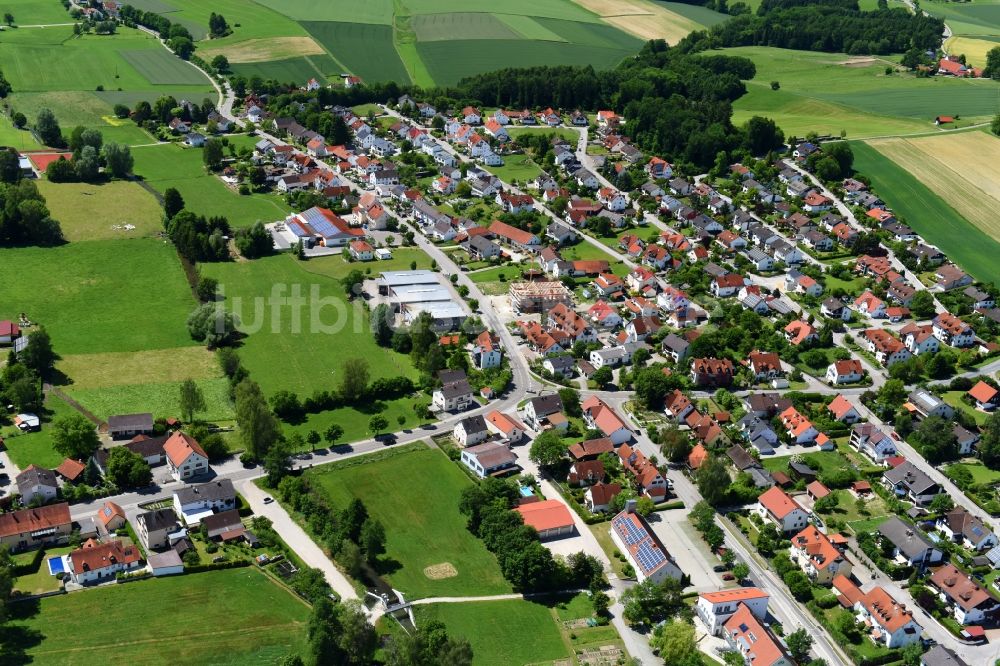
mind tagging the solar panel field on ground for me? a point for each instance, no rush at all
(427, 42)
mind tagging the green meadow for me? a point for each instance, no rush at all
(831, 92)
(170, 165)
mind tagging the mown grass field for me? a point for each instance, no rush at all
(939, 223)
(36, 12)
(356, 45)
(98, 212)
(100, 296)
(170, 165)
(501, 632)
(235, 616)
(856, 96)
(305, 355)
(158, 398)
(75, 67)
(422, 523)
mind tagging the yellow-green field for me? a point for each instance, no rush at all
(99, 212)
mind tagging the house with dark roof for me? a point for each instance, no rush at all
(453, 396)
(908, 544)
(224, 526)
(471, 430)
(490, 459)
(962, 527)
(538, 410)
(192, 503)
(154, 527)
(36, 484)
(911, 483)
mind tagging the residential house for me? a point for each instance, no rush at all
(96, 562)
(887, 349)
(919, 338)
(28, 528)
(539, 410)
(713, 372)
(799, 428)
(192, 503)
(911, 483)
(110, 517)
(871, 305)
(843, 411)
(598, 414)
(981, 300)
(951, 330)
(36, 485)
(185, 457)
(598, 497)
(471, 430)
(560, 366)
(971, 602)
(775, 506)
(908, 544)
(486, 351)
(845, 371)
(834, 308)
(764, 365)
(873, 442)
(727, 285)
(798, 332)
(962, 527)
(818, 557)
(745, 634)
(985, 396)
(644, 551)
(714, 608)
(922, 403)
(966, 439)
(130, 425)
(453, 396)
(677, 406)
(507, 427)
(675, 347)
(489, 459)
(585, 473)
(891, 623)
(950, 276)
(155, 527)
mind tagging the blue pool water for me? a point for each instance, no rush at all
(526, 491)
(56, 565)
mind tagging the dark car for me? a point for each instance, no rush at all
(719, 568)
(728, 576)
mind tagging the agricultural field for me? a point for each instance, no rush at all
(975, 27)
(282, 352)
(426, 42)
(501, 632)
(243, 617)
(101, 211)
(856, 97)
(169, 165)
(914, 181)
(86, 75)
(452, 562)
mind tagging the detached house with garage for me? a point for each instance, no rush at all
(985, 396)
(908, 544)
(911, 483)
(971, 603)
(872, 442)
(891, 623)
(775, 506)
(714, 608)
(818, 557)
(962, 527)
(98, 562)
(598, 414)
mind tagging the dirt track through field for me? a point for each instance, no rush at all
(959, 168)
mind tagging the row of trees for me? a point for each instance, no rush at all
(178, 37)
(24, 217)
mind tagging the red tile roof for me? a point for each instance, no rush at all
(32, 520)
(179, 448)
(545, 515)
(777, 502)
(93, 556)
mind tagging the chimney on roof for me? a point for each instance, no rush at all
(630, 505)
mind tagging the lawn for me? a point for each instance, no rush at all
(98, 212)
(35, 448)
(354, 420)
(97, 296)
(565, 133)
(36, 12)
(162, 68)
(423, 525)
(165, 166)
(954, 398)
(516, 168)
(303, 354)
(821, 461)
(856, 96)
(981, 474)
(235, 616)
(937, 222)
(501, 632)
(40, 580)
(158, 398)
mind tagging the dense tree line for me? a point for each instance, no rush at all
(5, 87)
(827, 25)
(178, 37)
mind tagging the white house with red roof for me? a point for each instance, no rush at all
(891, 623)
(727, 285)
(9, 331)
(321, 226)
(871, 305)
(96, 562)
(799, 428)
(362, 251)
(714, 608)
(985, 396)
(185, 457)
(845, 371)
(842, 410)
(818, 556)
(601, 416)
(745, 634)
(775, 506)
(470, 115)
(506, 426)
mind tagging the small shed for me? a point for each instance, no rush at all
(165, 564)
(817, 490)
(130, 425)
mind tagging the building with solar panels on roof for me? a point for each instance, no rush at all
(321, 226)
(645, 552)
